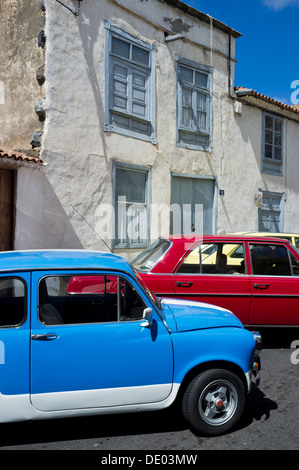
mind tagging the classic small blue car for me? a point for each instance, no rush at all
(79, 335)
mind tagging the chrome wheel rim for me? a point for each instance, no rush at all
(218, 402)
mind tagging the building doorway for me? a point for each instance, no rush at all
(6, 209)
(195, 199)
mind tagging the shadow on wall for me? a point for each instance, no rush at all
(89, 34)
(41, 221)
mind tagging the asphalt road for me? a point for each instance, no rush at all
(270, 422)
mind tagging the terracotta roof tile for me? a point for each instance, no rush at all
(18, 156)
(250, 92)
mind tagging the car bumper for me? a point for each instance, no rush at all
(254, 374)
(256, 367)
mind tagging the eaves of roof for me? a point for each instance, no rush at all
(248, 93)
(203, 17)
(19, 157)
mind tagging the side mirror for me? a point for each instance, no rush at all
(148, 317)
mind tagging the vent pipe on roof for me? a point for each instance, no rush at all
(174, 37)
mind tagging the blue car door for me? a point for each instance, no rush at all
(88, 346)
(14, 334)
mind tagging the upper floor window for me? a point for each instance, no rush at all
(130, 85)
(272, 158)
(194, 105)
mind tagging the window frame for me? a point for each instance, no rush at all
(264, 209)
(194, 131)
(147, 193)
(121, 277)
(273, 274)
(149, 71)
(271, 165)
(215, 245)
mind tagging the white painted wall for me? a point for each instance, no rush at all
(78, 151)
(40, 219)
(241, 175)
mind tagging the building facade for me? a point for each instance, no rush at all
(141, 131)
(21, 90)
(268, 132)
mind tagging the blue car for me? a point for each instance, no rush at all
(79, 335)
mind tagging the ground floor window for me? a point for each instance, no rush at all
(131, 206)
(270, 212)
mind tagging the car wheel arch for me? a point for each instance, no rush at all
(216, 364)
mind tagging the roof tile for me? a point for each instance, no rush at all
(254, 93)
(19, 156)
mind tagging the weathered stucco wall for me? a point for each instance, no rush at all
(41, 221)
(241, 176)
(291, 172)
(78, 151)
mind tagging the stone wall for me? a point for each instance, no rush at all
(21, 73)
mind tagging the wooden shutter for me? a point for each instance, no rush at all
(187, 193)
(131, 207)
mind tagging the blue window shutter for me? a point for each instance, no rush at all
(272, 151)
(194, 105)
(130, 87)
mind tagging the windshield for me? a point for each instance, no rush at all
(146, 260)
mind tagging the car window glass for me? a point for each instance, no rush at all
(88, 299)
(12, 301)
(270, 260)
(215, 258)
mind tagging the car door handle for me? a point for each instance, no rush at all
(184, 284)
(44, 337)
(261, 286)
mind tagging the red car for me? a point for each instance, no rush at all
(257, 278)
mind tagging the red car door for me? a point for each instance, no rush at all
(215, 273)
(274, 285)
(158, 284)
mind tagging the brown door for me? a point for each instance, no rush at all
(6, 209)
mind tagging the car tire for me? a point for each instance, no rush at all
(214, 402)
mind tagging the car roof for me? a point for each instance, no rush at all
(30, 260)
(268, 234)
(183, 240)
